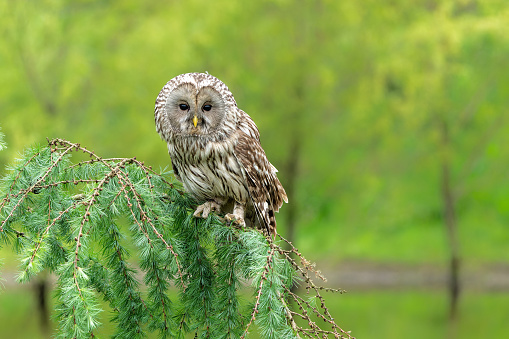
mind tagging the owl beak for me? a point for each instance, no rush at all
(195, 121)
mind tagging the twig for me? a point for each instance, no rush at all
(259, 294)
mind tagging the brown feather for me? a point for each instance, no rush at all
(265, 189)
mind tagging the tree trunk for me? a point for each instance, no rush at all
(449, 214)
(41, 287)
(290, 185)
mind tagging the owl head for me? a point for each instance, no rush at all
(195, 104)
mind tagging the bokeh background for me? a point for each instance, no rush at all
(387, 120)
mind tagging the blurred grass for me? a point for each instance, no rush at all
(420, 314)
(372, 314)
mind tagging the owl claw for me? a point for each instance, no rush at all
(204, 209)
(235, 220)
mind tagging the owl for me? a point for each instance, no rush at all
(216, 153)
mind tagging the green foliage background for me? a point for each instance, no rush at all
(361, 87)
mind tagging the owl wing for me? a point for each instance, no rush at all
(265, 189)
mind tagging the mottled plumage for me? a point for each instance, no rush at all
(215, 151)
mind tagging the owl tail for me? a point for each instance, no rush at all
(273, 201)
(271, 229)
(267, 219)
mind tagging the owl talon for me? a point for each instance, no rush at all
(204, 209)
(235, 220)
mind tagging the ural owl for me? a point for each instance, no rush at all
(215, 151)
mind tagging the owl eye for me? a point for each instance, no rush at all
(207, 107)
(184, 107)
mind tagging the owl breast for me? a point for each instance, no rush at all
(208, 170)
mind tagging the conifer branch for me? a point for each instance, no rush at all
(255, 311)
(59, 214)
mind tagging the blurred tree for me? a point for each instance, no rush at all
(383, 117)
(451, 85)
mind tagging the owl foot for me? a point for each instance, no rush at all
(235, 220)
(204, 209)
(237, 217)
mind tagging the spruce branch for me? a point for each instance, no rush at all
(116, 229)
(266, 269)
